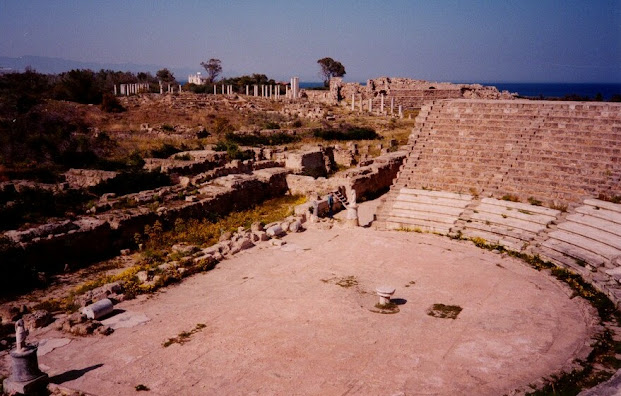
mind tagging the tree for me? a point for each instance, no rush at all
(165, 76)
(330, 68)
(213, 68)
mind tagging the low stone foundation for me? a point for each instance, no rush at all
(49, 248)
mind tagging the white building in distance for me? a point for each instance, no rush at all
(197, 79)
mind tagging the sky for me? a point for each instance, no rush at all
(436, 40)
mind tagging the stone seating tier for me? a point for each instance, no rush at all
(563, 154)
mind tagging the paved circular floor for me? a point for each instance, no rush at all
(278, 322)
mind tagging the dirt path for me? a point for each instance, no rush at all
(276, 321)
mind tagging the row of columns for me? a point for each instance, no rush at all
(171, 88)
(265, 91)
(370, 105)
(131, 89)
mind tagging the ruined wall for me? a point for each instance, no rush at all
(82, 178)
(375, 178)
(78, 242)
(408, 93)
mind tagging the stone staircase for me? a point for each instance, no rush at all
(340, 197)
(421, 210)
(470, 160)
(588, 241)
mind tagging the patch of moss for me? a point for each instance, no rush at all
(444, 311)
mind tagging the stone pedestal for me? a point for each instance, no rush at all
(384, 293)
(26, 378)
(352, 215)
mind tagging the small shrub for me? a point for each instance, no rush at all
(479, 242)
(183, 157)
(168, 128)
(610, 198)
(271, 125)
(110, 104)
(510, 197)
(232, 150)
(352, 133)
(533, 201)
(164, 151)
(559, 206)
(184, 336)
(273, 139)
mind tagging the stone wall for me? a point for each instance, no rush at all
(78, 242)
(83, 178)
(408, 93)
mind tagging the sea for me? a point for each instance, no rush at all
(560, 90)
(540, 90)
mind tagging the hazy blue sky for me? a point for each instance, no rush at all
(493, 40)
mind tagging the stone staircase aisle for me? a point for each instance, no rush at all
(416, 143)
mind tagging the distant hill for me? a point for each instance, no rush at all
(47, 65)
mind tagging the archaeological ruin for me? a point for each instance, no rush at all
(489, 231)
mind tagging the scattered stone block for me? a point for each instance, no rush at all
(184, 249)
(142, 276)
(40, 318)
(256, 226)
(244, 244)
(225, 236)
(275, 231)
(295, 226)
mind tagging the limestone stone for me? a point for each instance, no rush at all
(184, 249)
(99, 309)
(256, 226)
(295, 226)
(261, 236)
(142, 276)
(243, 244)
(36, 319)
(225, 236)
(275, 231)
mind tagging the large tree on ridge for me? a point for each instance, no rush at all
(330, 68)
(213, 68)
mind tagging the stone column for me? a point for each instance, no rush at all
(382, 105)
(295, 87)
(400, 111)
(247, 88)
(352, 215)
(392, 105)
(353, 102)
(214, 89)
(114, 89)
(361, 103)
(370, 105)
(256, 90)
(161, 88)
